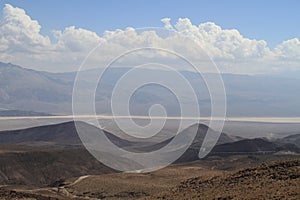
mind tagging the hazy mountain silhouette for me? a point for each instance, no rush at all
(247, 95)
(292, 139)
(253, 146)
(18, 113)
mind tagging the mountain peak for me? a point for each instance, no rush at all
(3, 64)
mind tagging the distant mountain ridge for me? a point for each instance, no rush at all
(292, 139)
(253, 146)
(65, 134)
(57, 134)
(25, 89)
(18, 113)
(256, 95)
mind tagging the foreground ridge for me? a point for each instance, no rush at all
(274, 180)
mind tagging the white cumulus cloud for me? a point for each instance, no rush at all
(18, 32)
(76, 39)
(223, 44)
(22, 43)
(289, 49)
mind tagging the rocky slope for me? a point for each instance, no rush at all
(275, 180)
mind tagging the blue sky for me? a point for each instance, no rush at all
(272, 21)
(240, 36)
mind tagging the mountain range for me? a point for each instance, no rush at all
(247, 95)
(20, 113)
(65, 134)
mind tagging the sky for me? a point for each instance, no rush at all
(275, 23)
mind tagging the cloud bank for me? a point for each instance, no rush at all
(22, 43)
